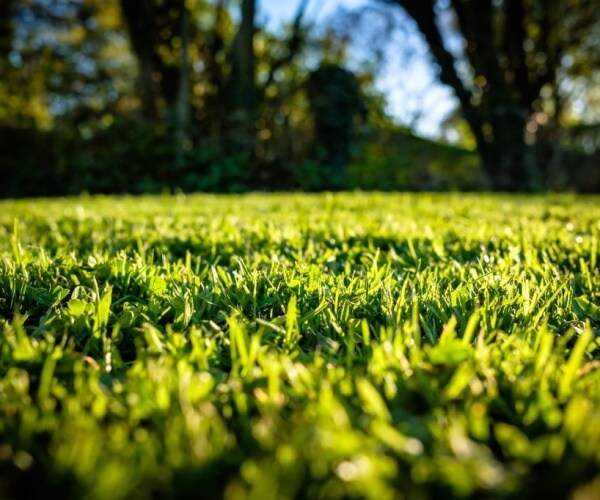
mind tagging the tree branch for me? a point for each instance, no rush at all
(293, 45)
(522, 82)
(423, 13)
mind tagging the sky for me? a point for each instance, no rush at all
(414, 96)
(285, 9)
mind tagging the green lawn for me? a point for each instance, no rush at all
(281, 346)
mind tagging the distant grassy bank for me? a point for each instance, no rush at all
(289, 346)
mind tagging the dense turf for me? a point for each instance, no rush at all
(278, 346)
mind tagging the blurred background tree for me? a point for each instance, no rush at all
(147, 95)
(507, 62)
(336, 102)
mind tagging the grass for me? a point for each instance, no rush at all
(290, 346)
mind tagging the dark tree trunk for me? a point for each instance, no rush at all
(499, 101)
(507, 159)
(243, 98)
(139, 16)
(6, 28)
(215, 126)
(163, 88)
(180, 108)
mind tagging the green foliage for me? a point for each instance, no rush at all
(308, 176)
(336, 103)
(125, 158)
(134, 158)
(281, 346)
(392, 158)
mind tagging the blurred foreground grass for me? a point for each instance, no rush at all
(280, 346)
